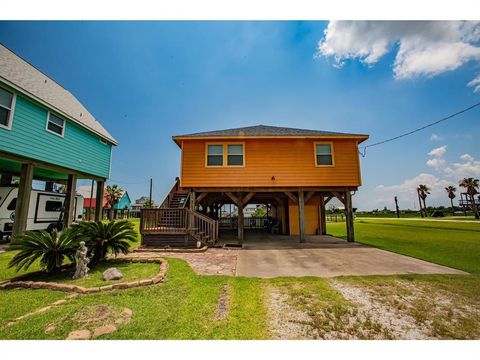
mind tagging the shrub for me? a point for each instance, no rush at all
(102, 238)
(51, 248)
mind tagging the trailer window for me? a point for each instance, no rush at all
(53, 206)
(12, 204)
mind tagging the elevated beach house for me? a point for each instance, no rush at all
(47, 134)
(295, 172)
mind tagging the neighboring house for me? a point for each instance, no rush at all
(124, 203)
(47, 134)
(140, 203)
(295, 171)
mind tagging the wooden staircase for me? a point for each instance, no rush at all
(175, 226)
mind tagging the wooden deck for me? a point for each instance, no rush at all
(176, 227)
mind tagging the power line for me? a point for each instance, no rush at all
(364, 153)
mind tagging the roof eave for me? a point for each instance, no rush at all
(178, 139)
(111, 140)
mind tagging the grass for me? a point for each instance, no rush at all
(454, 244)
(181, 308)
(185, 306)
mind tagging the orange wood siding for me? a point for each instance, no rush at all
(312, 218)
(290, 161)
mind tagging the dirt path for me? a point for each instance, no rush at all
(394, 324)
(389, 308)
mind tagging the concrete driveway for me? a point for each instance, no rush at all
(268, 256)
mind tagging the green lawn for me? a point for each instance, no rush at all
(185, 305)
(454, 244)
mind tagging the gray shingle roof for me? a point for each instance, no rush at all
(265, 130)
(25, 77)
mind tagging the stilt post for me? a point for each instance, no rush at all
(349, 216)
(99, 201)
(323, 217)
(69, 201)
(23, 201)
(301, 215)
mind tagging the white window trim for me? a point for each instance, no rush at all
(12, 110)
(53, 132)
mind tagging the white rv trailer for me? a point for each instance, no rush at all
(44, 210)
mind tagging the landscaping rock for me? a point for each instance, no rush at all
(103, 330)
(111, 274)
(50, 329)
(79, 335)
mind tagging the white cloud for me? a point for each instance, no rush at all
(436, 163)
(85, 190)
(469, 167)
(466, 157)
(475, 83)
(435, 137)
(407, 194)
(438, 152)
(425, 48)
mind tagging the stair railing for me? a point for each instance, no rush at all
(202, 227)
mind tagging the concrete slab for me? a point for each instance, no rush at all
(268, 256)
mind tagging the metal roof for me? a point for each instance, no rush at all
(265, 130)
(26, 78)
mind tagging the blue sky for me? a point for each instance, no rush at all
(147, 81)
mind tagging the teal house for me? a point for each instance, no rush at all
(124, 203)
(47, 134)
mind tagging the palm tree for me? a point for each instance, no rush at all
(51, 249)
(451, 195)
(423, 191)
(114, 237)
(471, 185)
(113, 194)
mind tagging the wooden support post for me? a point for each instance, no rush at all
(6, 179)
(23, 201)
(301, 215)
(240, 219)
(191, 220)
(323, 218)
(349, 216)
(99, 201)
(69, 204)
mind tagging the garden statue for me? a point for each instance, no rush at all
(82, 261)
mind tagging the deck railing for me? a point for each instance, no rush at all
(178, 220)
(203, 226)
(163, 220)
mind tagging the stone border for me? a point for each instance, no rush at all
(160, 277)
(142, 249)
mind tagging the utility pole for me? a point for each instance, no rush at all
(396, 207)
(150, 192)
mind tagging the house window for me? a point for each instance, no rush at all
(215, 155)
(323, 154)
(55, 124)
(235, 155)
(53, 206)
(7, 102)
